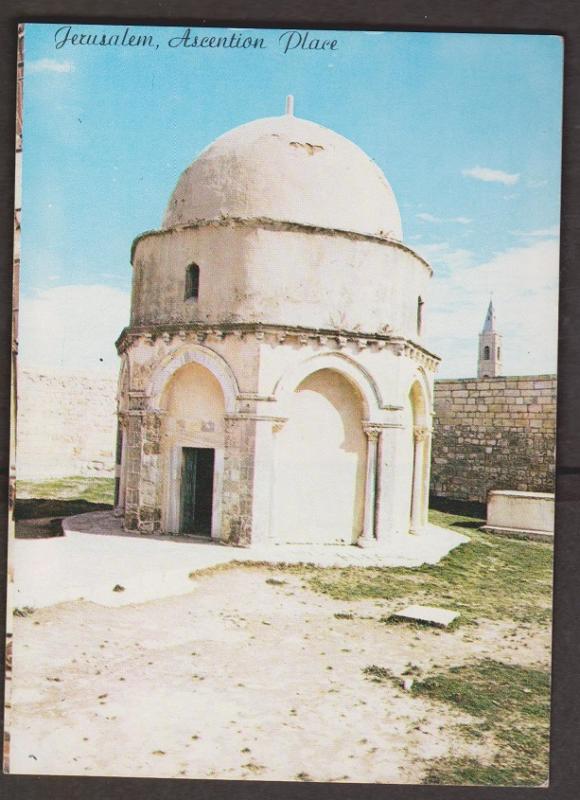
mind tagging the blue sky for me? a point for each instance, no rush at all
(466, 127)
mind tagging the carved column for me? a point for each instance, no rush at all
(426, 476)
(368, 537)
(420, 436)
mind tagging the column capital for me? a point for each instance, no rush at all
(421, 432)
(372, 430)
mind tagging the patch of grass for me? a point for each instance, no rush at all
(379, 674)
(469, 772)
(62, 493)
(474, 732)
(343, 615)
(60, 498)
(491, 577)
(513, 703)
(412, 669)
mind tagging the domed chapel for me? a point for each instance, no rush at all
(274, 387)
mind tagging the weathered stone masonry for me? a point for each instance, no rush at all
(66, 425)
(495, 433)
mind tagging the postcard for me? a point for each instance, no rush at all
(284, 417)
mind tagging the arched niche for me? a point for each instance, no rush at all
(196, 354)
(419, 453)
(192, 438)
(320, 461)
(350, 370)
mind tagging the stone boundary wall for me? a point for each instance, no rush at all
(66, 425)
(493, 433)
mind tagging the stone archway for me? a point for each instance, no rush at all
(341, 363)
(192, 451)
(202, 356)
(320, 458)
(421, 455)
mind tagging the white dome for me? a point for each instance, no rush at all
(289, 170)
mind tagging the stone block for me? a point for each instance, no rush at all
(521, 513)
(427, 615)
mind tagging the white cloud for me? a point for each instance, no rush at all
(431, 218)
(543, 233)
(524, 282)
(49, 65)
(72, 328)
(443, 256)
(493, 175)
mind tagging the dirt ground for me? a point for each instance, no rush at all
(250, 676)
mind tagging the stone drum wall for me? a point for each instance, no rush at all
(66, 425)
(494, 433)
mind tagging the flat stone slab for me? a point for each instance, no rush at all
(428, 615)
(521, 533)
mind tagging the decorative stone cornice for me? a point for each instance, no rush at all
(276, 335)
(372, 428)
(145, 412)
(266, 223)
(254, 397)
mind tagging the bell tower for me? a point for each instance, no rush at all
(490, 347)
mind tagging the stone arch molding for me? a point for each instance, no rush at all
(338, 362)
(123, 383)
(420, 380)
(193, 354)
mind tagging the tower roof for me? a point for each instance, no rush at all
(489, 324)
(290, 170)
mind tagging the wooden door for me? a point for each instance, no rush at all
(197, 468)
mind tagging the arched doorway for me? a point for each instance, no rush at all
(192, 446)
(320, 461)
(420, 454)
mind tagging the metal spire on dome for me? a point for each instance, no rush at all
(489, 324)
(290, 105)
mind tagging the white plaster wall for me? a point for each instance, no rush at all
(252, 274)
(319, 464)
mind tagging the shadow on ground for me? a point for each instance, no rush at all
(40, 518)
(472, 514)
